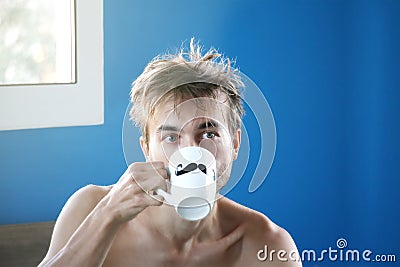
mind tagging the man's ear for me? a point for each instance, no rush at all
(236, 143)
(145, 147)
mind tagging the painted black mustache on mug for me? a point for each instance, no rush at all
(190, 167)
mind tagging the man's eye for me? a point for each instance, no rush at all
(170, 138)
(208, 135)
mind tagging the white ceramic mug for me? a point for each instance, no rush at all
(193, 182)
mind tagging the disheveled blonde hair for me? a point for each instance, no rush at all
(186, 75)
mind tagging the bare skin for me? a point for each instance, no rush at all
(122, 225)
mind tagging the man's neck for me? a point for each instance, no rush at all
(180, 232)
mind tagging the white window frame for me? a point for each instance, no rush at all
(59, 105)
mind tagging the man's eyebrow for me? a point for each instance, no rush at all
(208, 124)
(167, 128)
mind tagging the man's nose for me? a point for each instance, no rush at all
(189, 141)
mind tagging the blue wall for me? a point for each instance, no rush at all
(330, 71)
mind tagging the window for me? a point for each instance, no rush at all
(38, 44)
(76, 98)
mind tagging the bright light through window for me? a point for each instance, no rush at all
(72, 99)
(38, 42)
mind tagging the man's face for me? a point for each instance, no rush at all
(200, 122)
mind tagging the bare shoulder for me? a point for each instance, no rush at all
(87, 197)
(75, 210)
(259, 231)
(254, 222)
(83, 201)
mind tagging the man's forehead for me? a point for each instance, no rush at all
(191, 111)
(201, 123)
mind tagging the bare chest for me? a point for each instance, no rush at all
(128, 250)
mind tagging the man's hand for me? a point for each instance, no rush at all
(133, 192)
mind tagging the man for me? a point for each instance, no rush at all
(188, 99)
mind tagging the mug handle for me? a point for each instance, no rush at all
(164, 194)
